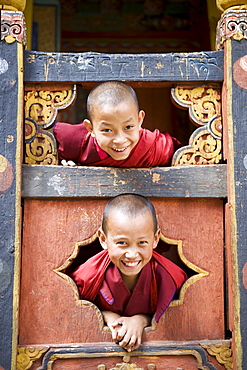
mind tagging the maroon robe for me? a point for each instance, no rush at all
(76, 143)
(99, 281)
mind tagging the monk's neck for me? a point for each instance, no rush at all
(130, 281)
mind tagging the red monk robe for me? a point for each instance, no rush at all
(99, 281)
(76, 143)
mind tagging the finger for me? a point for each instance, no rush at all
(64, 162)
(71, 163)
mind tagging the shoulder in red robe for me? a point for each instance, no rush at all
(99, 281)
(76, 143)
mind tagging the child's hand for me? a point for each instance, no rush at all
(68, 163)
(127, 331)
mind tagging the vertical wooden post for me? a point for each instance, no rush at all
(11, 119)
(232, 37)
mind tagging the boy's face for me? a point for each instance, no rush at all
(116, 129)
(130, 241)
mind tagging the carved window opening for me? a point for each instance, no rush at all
(169, 248)
(44, 105)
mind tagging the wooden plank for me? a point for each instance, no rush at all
(236, 90)
(73, 182)
(10, 202)
(92, 67)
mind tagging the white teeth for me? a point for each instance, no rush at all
(131, 264)
(119, 150)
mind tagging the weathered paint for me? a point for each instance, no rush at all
(207, 181)
(10, 202)
(90, 66)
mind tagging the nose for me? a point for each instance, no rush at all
(132, 253)
(119, 137)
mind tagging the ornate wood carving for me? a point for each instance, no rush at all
(41, 110)
(222, 352)
(103, 350)
(233, 24)
(13, 27)
(27, 355)
(204, 104)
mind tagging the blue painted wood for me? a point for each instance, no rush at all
(239, 117)
(97, 67)
(174, 182)
(8, 143)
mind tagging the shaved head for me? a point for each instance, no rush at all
(110, 93)
(130, 204)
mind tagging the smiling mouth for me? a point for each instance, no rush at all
(120, 150)
(131, 264)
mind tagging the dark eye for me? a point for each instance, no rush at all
(122, 242)
(106, 130)
(129, 127)
(143, 242)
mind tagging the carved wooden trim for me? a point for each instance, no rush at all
(204, 105)
(222, 352)
(233, 24)
(26, 356)
(13, 27)
(41, 109)
(103, 350)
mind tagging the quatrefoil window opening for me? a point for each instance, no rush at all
(169, 248)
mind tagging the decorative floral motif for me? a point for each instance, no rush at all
(27, 355)
(222, 352)
(41, 110)
(204, 104)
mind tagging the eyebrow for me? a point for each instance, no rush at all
(110, 124)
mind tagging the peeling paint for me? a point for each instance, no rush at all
(57, 184)
(156, 177)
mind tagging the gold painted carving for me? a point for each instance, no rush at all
(40, 145)
(41, 109)
(13, 4)
(42, 106)
(222, 352)
(204, 104)
(27, 355)
(225, 4)
(124, 366)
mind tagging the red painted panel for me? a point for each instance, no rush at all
(48, 310)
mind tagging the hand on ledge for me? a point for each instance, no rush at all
(126, 331)
(68, 163)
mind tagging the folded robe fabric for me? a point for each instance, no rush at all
(76, 143)
(99, 281)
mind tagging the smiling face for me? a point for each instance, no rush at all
(130, 241)
(116, 128)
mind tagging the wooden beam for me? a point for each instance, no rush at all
(96, 67)
(72, 182)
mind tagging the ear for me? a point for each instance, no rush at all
(88, 125)
(102, 238)
(156, 238)
(141, 116)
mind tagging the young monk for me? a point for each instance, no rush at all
(113, 134)
(128, 280)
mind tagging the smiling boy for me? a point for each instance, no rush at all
(113, 134)
(128, 280)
